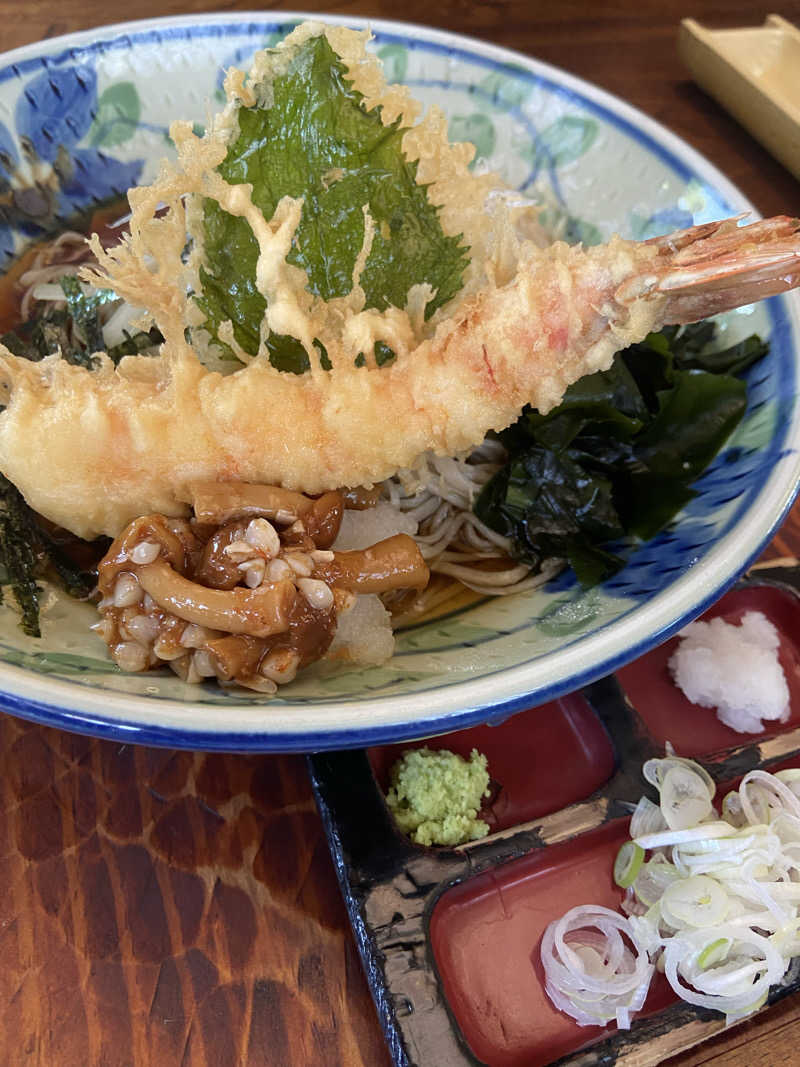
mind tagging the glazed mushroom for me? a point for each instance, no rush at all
(248, 592)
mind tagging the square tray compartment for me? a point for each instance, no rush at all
(485, 936)
(527, 755)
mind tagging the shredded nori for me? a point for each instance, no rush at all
(18, 556)
(74, 330)
(84, 308)
(28, 552)
(134, 344)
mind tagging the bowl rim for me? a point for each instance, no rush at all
(303, 727)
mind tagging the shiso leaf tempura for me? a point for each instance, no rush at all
(115, 443)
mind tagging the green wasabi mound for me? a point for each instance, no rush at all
(435, 796)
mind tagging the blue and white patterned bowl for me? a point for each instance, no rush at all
(83, 117)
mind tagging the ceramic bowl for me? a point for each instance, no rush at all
(84, 117)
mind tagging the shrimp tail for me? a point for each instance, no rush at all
(719, 266)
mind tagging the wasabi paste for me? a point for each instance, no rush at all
(435, 796)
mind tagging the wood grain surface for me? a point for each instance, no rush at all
(171, 908)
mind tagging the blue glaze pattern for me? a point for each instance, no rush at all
(48, 169)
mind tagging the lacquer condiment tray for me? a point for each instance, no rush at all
(754, 72)
(449, 937)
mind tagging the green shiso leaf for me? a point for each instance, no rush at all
(617, 457)
(317, 141)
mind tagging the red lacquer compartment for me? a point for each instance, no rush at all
(540, 760)
(694, 730)
(485, 936)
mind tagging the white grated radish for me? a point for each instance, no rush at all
(734, 669)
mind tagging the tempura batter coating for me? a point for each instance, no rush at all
(92, 450)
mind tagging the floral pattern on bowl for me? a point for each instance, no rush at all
(55, 168)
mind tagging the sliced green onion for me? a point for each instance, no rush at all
(732, 809)
(647, 818)
(685, 798)
(627, 864)
(697, 901)
(653, 879)
(680, 837)
(655, 770)
(722, 899)
(714, 953)
(748, 1010)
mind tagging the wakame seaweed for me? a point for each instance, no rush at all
(617, 457)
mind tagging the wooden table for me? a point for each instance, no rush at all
(170, 908)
